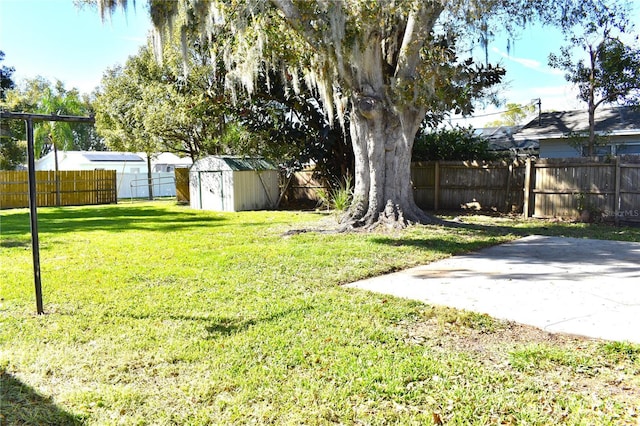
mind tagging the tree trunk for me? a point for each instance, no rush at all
(592, 131)
(382, 138)
(149, 176)
(592, 105)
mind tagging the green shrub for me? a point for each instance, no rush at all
(456, 144)
(338, 198)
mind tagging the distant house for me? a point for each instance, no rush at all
(619, 129)
(168, 162)
(122, 162)
(131, 169)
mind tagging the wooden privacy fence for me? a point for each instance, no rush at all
(304, 185)
(454, 185)
(603, 188)
(64, 188)
(607, 188)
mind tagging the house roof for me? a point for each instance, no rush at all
(93, 156)
(111, 156)
(502, 138)
(168, 158)
(551, 125)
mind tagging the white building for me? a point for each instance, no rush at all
(121, 162)
(131, 169)
(167, 162)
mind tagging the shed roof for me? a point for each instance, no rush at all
(236, 163)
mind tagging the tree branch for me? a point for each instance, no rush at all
(419, 25)
(294, 17)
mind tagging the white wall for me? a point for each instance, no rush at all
(255, 190)
(233, 191)
(46, 163)
(119, 167)
(70, 161)
(555, 148)
(560, 148)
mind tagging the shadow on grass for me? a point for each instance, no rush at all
(20, 404)
(107, 218)
(225, 326)
(15, 243)
(552, 228)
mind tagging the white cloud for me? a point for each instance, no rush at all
(554, 98)
(528, 63)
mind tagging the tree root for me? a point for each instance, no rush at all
(393, 217)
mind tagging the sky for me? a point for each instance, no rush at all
(56, 40)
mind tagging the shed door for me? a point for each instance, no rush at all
(211, 194)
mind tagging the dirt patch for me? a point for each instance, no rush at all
(606, 371)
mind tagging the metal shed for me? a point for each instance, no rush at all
(231, 184)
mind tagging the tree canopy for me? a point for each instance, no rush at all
(6, 78)
(181, 105)
(146, 106)
(12, 153)
(513, 115)
(610, 73)
(39, 95)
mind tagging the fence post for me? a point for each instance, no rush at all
(436, 187)
(507, 197)
(114, 183)
(526, 209)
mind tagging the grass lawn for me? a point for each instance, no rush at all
(158, 314)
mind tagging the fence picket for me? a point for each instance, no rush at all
(76, 188)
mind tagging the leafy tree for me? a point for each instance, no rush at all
(385, 64)
(53, 135)
(147, 105)
(12, 152)
(611, 72)
(6, 81)
(457, 144)
(39, 96)
(187, 110)
(513, 115)
(121, 110)
(292, 130)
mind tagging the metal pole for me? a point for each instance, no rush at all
(33, 206)
(33, 214)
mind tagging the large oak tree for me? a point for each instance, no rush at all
(387, 64)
